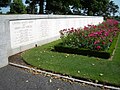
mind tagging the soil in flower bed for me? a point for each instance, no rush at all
(17, 59)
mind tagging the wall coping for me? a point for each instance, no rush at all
(49, 16)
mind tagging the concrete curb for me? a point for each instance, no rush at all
(65, 77)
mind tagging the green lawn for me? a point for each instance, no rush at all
(78, 66)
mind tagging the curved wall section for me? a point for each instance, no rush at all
(22, 32)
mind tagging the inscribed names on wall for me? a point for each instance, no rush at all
(22, 32)
(42, 28)
(46, 28)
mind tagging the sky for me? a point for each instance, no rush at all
(117, 2)
(4, 10)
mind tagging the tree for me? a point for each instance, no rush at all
(112, 8)
(76, 6)
(4, 3)
(62, 6)
(32, 5)
(41, 6)
(31, 10)
(84, 7)
(94, 7)
(17, 7)
(54, 6)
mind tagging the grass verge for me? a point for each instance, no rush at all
(78, 66)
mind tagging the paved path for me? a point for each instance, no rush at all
(13, 78)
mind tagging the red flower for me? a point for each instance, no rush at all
(106, 34)
(96, 42)
(98, 47)
(72, 28)
(103, 43)
(110, 40)
(86, 28)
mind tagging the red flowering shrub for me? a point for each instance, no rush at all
(91, 37)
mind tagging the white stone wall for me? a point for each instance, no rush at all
(22, 32)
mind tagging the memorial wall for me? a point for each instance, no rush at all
(22, 32)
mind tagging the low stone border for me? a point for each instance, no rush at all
(65, 77)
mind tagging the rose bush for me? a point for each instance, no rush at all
(92, 37)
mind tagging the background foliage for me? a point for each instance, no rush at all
(80, 7)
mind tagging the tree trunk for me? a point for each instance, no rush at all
(89, 13)
(41, 6)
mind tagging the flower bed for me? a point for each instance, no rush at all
(98, 41)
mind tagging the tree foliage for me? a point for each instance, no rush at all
(4, 3)
(57, 7)
(94, 7)
(62, 6)
(81, 7)
(17, 7)
(112, 8)
(32, 6)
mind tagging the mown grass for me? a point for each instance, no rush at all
(78, 66)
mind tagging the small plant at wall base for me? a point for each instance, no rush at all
(91, 40)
